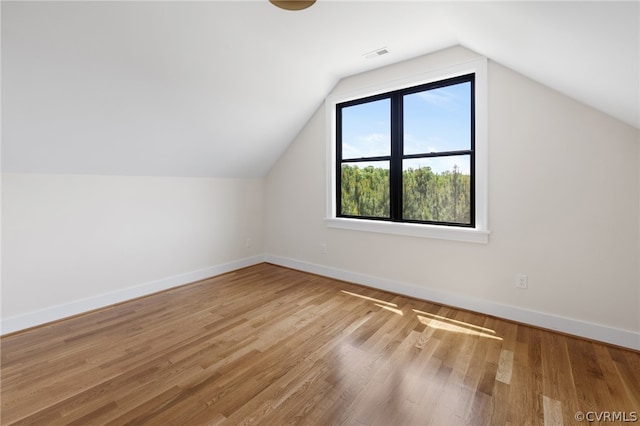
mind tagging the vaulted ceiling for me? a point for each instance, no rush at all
(220, 88)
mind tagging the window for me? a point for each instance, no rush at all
(410, 157)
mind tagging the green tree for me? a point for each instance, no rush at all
(427, 196)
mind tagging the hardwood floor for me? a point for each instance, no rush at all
(269, 345)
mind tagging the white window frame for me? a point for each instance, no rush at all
(478, 234)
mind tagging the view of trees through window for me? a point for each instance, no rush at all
(429, 162)
(428, 196)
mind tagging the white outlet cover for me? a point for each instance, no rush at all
(521, 281)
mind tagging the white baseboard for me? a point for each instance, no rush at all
(602, 333)
(54, 313)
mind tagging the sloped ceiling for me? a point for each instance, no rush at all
(221, 88)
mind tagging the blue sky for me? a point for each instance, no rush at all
(434, 121)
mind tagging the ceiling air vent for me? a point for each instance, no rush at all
(375, 53)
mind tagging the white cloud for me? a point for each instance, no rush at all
(375, 138)
(369, 145)
(413, 145)
(441, 98)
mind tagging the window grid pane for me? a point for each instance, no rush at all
(437, 189)
(365, 189)
(366, 130)
(437, 120)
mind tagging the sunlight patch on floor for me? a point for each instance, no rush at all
(370, 298)
(432, 320)
(389, 308)
(443, 323)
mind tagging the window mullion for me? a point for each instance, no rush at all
(396, 156)
(338, 171)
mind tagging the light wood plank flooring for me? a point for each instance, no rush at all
(269, 345)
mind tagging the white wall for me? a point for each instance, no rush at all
(563, 209)
(76, 242)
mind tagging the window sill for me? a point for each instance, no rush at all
(472, 235)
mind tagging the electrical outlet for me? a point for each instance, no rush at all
(323, 248)
(248, 243)
(521, 281)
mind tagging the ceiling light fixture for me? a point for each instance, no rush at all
(292, 4)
